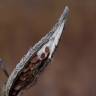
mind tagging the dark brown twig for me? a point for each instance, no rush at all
(3, 68)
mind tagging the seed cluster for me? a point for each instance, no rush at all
(29, 73)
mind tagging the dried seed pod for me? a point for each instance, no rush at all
(35, 61)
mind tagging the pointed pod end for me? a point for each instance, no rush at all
(66, 11)
(65, 14)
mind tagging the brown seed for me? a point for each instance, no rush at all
(42, 55)
(17, 87)
(22, 78)
(47, 50)
(25, 70)
(30, 65)
(34, 55)
(34, 59)
(14, 93)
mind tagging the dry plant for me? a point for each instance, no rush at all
(27, 71)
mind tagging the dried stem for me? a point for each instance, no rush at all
(3, 68)
(36, 60)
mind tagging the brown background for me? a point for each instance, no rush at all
(73, 70)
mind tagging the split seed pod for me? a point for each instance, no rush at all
(36, 60)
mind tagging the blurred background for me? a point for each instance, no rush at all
(73, 70)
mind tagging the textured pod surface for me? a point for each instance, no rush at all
(35, 61)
